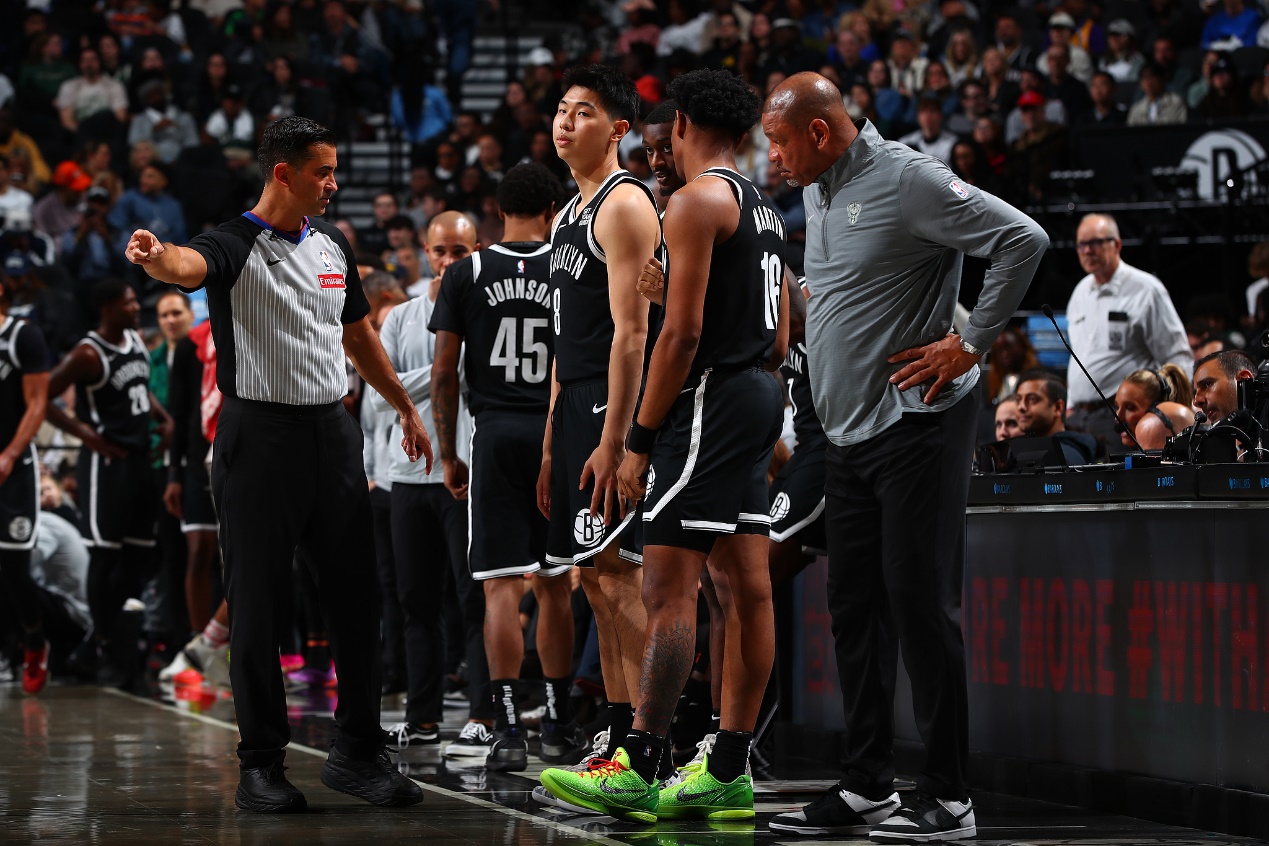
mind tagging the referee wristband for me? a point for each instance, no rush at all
(640, 439)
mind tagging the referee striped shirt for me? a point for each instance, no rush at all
(278, 304)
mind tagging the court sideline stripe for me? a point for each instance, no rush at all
(563, 828)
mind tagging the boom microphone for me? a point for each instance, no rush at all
(1048, 312)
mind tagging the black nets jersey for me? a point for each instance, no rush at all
(746, 275)
(118, 404)
(581, 312)
(22, 352)
(499, 300)
(806, 425)
(278, 304)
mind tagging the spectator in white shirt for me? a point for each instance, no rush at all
(167, 127)
(90, 93)
(931, 139)
(232, 126)
(1121, 319)
(12, 198)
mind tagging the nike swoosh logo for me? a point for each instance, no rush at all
(684, 796)
(272, 262)
(617, 791)
(598, 408)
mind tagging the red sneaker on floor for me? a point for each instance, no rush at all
(35, 673)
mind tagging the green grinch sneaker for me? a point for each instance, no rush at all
(699, 794)
(612, 788)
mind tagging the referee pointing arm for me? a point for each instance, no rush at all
(286, 305)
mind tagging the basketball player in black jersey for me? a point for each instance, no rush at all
(24, 369)
(498, 302)
(714, 412)
(600, 243)
(110, 370)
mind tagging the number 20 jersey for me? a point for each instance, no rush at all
(117, 406)
(499, 299)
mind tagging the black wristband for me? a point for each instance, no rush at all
(640, 439)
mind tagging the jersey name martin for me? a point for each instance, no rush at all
(519, 288)
(130, 371)
(568, 258)
(766, 220)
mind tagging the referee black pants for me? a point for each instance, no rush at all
(895, 523)
(288, 477)
(429, 542)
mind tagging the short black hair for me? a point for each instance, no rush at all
(399, 221)
(664, 112)
(616, 91)
(108, 292)
(717, 99)
(528, 190)
(290, 140)
(1231, 361)
(1054, 387)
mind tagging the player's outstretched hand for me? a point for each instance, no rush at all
(937, 363)
(143, 247)
(632, 476)
(455, 476)
(602, 468)
(414, 439)
(104, 448)
(652, 282)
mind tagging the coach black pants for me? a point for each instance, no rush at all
(895, 521)
(393, 644)
(288, 477)
(429, 539)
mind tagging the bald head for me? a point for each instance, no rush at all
(807, 124)
(450, 236)
(805, 96)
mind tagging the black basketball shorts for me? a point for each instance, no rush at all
(20, 504)
(708, 475)
(118, 503)
(575, 537)
(797, 498)
(197, 508)
(507, 535)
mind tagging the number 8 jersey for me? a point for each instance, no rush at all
(499, 300)
(117, 405)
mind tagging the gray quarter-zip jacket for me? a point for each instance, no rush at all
(886, 228)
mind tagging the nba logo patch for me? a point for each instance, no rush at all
(325, 259)
(958, 190)
(520, 266)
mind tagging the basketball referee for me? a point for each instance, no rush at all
(286, 305)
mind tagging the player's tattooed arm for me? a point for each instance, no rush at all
(445, 409)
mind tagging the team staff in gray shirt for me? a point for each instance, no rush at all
(897, 392)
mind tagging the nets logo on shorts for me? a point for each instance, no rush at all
(652, 477)
(780, 508)
(587, 530)
(20, 528)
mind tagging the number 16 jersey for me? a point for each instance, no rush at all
(499, 299)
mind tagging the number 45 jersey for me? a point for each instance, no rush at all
(499, 300)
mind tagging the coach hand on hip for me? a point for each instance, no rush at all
(286, 306)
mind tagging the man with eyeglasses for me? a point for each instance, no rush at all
(1121, 319)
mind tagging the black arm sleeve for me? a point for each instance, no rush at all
(226, 250)
(30, 351)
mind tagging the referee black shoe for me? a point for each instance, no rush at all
(509, 752)
(377, 781)
(926, 819)
(563, 743)
(837, 811)
(267, 791)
